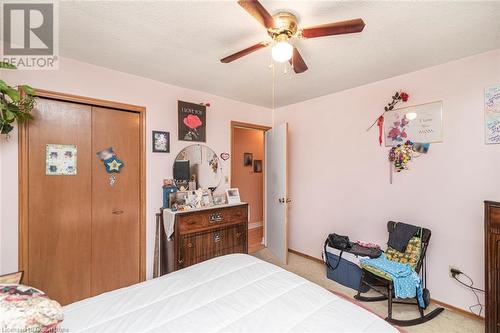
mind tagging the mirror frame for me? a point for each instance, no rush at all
(219, 164)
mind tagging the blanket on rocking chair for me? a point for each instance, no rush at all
(407, 283)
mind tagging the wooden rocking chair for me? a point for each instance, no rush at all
(382, 283)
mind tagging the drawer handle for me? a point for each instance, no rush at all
(117, 211)
(238, 234)
(217, 237)
(215, 217)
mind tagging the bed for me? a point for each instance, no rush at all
(233, 293)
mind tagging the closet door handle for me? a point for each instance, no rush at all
(117, 211)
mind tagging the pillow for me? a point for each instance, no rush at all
(26, 309)
(12, 278)
(411, 256)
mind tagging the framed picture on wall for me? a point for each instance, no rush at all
(192, 121)
(420, 123)
(257, 166)
(492, 114)
(247, 159)
(60, 160)
(161, 142)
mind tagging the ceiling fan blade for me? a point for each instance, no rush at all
(244, 52)
(254, 8)
(298, 63)
(337, 28)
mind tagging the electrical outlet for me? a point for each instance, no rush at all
(450, 269)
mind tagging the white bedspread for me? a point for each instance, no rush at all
(234, 293)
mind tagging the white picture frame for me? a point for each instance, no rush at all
(60, 160)
(419, 123)
(233, 196)
(492, 114)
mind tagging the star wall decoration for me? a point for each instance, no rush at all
(113, 165)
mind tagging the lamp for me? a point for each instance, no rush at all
(282, 51)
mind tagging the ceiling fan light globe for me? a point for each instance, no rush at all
(282, 51)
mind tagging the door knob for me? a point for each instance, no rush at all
(117, 211)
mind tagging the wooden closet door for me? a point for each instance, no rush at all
(115, 209)
(59, 210)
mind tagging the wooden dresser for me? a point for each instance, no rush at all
(205, 233)
(492, 265)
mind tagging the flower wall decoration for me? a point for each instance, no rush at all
(192, 121)
(398, 130)
(401, 155)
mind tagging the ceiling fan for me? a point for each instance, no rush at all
(283, 27)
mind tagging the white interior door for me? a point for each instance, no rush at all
(276, 228)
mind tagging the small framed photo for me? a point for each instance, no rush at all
(161, 142)
(257, 166)
(178, 198)
(247, 159)
(207, 199)
(233, 196)
(219, 199)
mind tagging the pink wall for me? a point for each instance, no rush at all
(342, 185)
(160, 101)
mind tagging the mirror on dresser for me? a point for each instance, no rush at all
(197, 166)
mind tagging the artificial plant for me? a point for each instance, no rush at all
(16, 103)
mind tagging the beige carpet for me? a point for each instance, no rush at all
(448, 321)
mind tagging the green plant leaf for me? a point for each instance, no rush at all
(13, 94)
(6, 128)
(27, 89)
(9, 116)
(6, 65)
(13, 108)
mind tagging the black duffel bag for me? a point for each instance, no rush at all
(338, 242)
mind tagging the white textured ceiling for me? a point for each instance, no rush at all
(181, 42)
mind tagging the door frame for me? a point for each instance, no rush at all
(263, 128)
(23, 222)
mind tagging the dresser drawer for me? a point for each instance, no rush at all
(229, 215)
(197, 221)
(227, 239)
(201, 246)
(192, 222)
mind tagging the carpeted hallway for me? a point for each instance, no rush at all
(448, 321)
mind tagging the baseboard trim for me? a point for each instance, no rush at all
(458, 310)
(255, 225)
(306, 256)
(443, 304)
